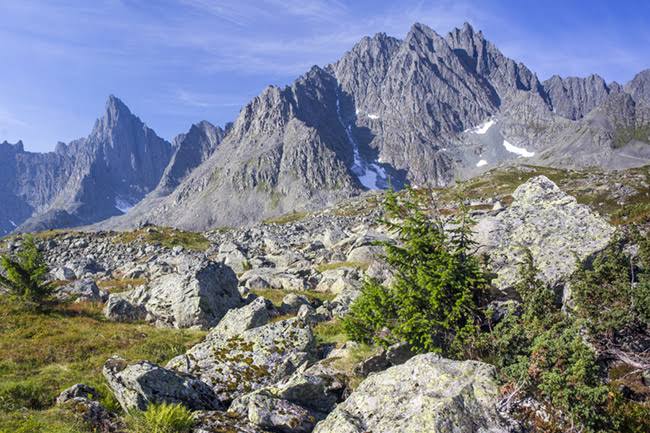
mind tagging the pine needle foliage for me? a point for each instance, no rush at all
(25, 275)
(432, 300)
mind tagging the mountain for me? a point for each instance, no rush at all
(423, 110)
(85, 181)
(191, 149)
(28, 182)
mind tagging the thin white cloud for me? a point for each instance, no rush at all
(7, 120)
(206, 100)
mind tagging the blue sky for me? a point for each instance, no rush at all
(176, 62)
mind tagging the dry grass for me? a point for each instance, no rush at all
(166, 237)
(121, 285)
(337, 265)
(43, 353)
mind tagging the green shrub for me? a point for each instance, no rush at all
(26, 274)
(612, 291)
(432, 301)
(161, 418)
(542, 352)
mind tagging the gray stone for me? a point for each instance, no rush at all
(426, 394)
(551, 224)
(279, 415)
(238, 320)
(81, 290)
(198, 293)
(256, 358)
(77, 391)
(120, 309)
(137, 385)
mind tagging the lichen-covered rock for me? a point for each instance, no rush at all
(242, 319)
(276, 414)
(426, 394)
(255, 358)
(197, 294)
(551, 224)
(136, 385)
(94, 415)
(79, 390)
(223, 422)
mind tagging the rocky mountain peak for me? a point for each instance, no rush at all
(639, 87)
(18, 147)
(574, 97)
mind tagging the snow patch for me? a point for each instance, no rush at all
(482, 128)
(373, 116)
(123, 204)
(481, 163)
(518, 150)
(371, 175)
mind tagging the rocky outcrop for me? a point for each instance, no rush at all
(557, 231)
(255, 358)
(197, 292)
(639, 87)
(137, 385)
(427, 393)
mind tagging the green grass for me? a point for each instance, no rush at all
(276, 295)
(287, 218)
(624, 134)
(121, 285)
(42, 354)
(337, 265)
(330, 333)
(167, 237)
(161, 418)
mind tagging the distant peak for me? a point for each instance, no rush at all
(18, 147)
(115, 105)
(467, 27)
(420, 28)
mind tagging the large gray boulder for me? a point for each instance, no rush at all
(136, 385)
(197, 294)
(551, 224)
(256, 358)
(241, 319)
(427, 394)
